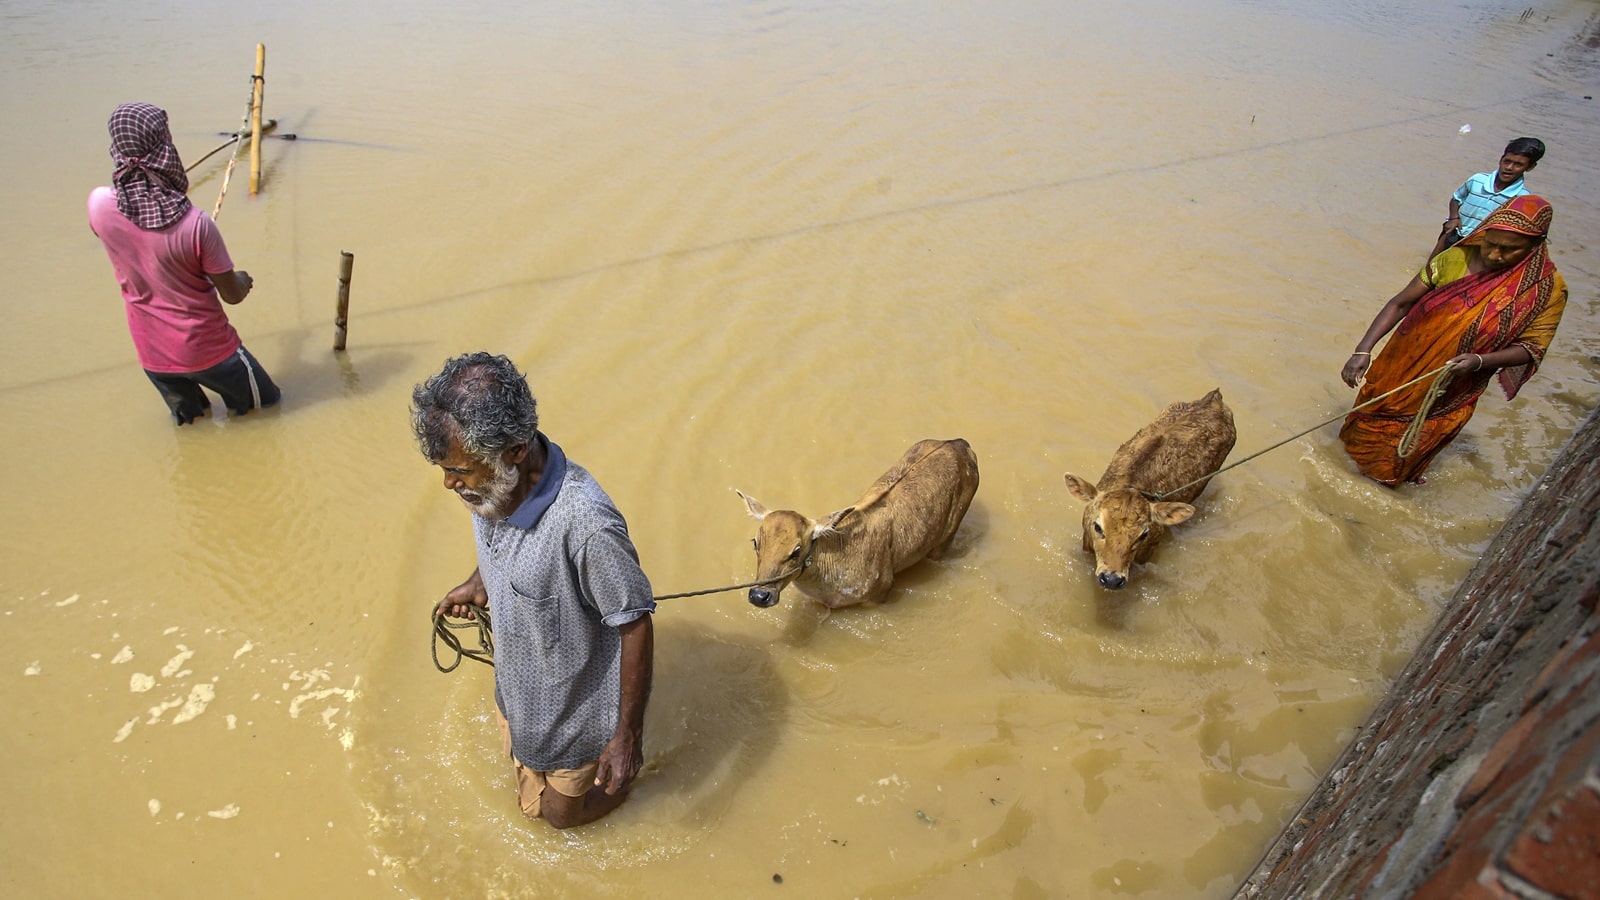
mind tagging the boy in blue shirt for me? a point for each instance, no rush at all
(1486, 192)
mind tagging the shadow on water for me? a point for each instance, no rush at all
(715, 714)
(1113, 608)
(804, 619)
(297, 125)
(337, 376)
(275, 148)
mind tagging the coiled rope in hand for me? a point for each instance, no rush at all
(484, 652)
(442, 629)
(1408, 441)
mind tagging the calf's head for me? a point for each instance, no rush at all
(1121, 526)
(784, 543)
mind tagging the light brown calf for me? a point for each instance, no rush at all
(851, 556)
(1121, 524)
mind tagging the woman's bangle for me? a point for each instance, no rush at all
(1361, 353)
(1480, 361)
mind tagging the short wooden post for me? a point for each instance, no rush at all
(255, 118)
(341, 319)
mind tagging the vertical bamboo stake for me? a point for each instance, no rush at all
(255, 118)
(341, 318)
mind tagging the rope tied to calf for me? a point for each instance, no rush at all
(443, 628)
(1408, 442)
(484, 652)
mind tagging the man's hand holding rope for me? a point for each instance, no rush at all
(461, 600)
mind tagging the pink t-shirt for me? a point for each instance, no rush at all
(174, 313)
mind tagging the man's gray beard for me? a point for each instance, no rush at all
(495, 493)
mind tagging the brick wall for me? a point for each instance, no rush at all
(1478, 775)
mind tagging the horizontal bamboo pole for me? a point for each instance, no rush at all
(266, 128)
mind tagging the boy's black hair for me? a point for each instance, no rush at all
(1532, 148)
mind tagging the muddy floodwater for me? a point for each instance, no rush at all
(762, 246)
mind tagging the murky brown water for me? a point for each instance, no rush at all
(761, 246)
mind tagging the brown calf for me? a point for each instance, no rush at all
(1121, 523)
(851, 556)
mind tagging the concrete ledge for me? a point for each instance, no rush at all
(1478, 775)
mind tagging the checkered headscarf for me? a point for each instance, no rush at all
(149, 180)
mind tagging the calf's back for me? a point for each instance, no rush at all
(1186, 442)
(913, 510)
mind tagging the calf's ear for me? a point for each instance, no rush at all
(757, 511)
(1170, 513)
(1079, 488)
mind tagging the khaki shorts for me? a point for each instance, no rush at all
(531, 782)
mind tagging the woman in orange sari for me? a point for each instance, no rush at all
(1487, 306)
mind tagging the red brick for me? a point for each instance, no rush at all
(1562, 663)
(1495, 760)
(1501, 796)
(1559, 850)
(1464, 877)
(1579, 753)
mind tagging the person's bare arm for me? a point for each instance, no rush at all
(624, 753)
(1387, 317)
(233, 285)
(1514, 355)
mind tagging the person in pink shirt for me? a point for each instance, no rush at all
(175, 273)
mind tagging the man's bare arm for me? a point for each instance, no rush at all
(232, 286)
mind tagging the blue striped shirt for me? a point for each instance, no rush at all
(1478, 199)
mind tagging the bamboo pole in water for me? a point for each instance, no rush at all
(255, 118)
(341, 318)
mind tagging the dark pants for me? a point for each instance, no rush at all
(1447, 238)
(239, 380)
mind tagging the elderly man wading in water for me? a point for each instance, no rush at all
(561, 579)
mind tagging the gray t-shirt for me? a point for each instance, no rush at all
(562, 575)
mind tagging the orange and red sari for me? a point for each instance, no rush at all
(1474, 313)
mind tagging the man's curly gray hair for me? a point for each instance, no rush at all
(478, 399)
